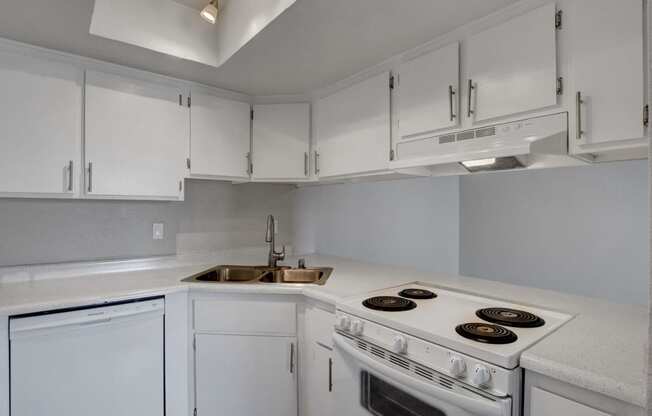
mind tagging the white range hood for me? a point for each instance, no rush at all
(525, 144)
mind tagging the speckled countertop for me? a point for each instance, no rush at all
(579, 353)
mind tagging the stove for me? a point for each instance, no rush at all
(495, 331)
(461, 350)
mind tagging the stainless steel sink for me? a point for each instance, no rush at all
(262, 275)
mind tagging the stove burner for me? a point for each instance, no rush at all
(389, 303)
(487, 333)
(510, 317)
(414, 293)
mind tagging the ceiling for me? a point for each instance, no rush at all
(312, 44)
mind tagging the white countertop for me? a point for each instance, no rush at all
(602, 349)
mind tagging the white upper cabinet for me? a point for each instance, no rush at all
(512, 67)
(136, 140)
(40, 126)
(429, 92)
(607, 66)
(220, 137)
(353, 129)
(281, 141)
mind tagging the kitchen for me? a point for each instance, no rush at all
(299, 207)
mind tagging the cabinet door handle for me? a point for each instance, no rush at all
(70, 173)
(469, 111)
(330, 375)
(292, 358)
(250, 164)
(451, 93)
(316, 163)
(305, 163)
(578, 109)
(90, 177)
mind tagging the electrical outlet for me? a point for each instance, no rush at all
(158, 231)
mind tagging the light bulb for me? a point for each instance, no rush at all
(209, 13)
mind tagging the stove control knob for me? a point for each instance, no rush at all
(357, 327)
(344, 323)
(457, 366)
(399, 344)
(481, 375)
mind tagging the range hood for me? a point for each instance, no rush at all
(525, 144)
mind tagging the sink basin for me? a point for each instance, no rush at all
(307, 275)
(229, 274)
(262, 274)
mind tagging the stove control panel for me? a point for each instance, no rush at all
(494, 379)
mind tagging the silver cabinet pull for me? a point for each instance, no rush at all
(305, 163)
(292, 358)
(469, 111)
(316, 163)
(90, 177)
(330, 375)
(70, 173)
(451, 93)
(578, 108)
(250, 164)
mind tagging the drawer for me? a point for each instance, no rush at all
(319, 325)
(245, 317)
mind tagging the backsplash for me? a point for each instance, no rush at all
(35, 231)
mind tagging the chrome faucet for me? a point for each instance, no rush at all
(274, 256)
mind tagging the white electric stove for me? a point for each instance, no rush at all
(416, 349)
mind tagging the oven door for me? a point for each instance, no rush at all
(365, 384)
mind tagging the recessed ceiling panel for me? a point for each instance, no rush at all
(174, 27)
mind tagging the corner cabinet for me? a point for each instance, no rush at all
(512, 67)
(544, 396)
(248, 365)
(136, 138)
(219, 137)
(40, 125)
(281, 142)
(428, 90)
(607, 64)
(317, 398)
(353, 129)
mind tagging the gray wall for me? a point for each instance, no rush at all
(46, 231)
(407, 222)
(579, 230)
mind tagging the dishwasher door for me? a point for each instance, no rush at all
(100, 361)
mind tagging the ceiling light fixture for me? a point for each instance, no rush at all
(209, 13)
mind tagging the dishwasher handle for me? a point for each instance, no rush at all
(84, 316)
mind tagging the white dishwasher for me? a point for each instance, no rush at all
(102, 360)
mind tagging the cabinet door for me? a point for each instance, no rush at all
(607, 66)
(220, 136)
(543, 403)
(40, 125)
(136, 141)
(428, 92)
(245, 375)
(281, 141)
(353, 129)
(513, 66)
(319, 389)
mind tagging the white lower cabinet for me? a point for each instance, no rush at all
(245, 355)
(545, 396)
(245, 375)
(317, 363)
(318, 389)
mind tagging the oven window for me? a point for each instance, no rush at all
(383, 399)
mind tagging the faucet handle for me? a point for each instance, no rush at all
(280, 254)
(301, 264)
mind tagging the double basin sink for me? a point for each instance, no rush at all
(262, 275)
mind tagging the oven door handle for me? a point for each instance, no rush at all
(484, 407)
